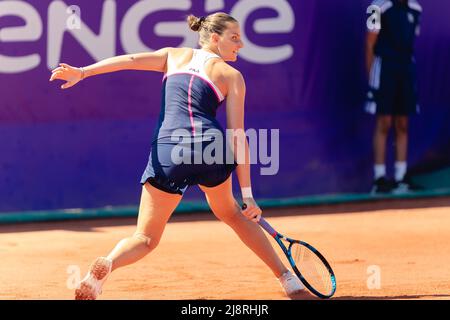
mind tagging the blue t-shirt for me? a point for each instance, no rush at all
(400, 24)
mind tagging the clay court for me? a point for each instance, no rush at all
(201, 258)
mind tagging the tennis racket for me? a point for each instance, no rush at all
(307, 262)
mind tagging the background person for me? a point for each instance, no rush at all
(392, 95)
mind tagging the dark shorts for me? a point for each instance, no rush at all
(166, 173)
(392, 88)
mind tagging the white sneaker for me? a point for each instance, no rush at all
(91, 286)
(291, 283)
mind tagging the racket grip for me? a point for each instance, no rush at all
(264, 224)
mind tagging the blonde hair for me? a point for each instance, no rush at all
(214, 23)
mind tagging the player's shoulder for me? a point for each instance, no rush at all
(415, 5)
(384, 5)
(231, 72)
(179, 55)
(178, 51)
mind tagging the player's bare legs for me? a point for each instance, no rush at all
(155, 210)
(225, 208)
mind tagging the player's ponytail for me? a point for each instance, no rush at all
(214, 23)
(194, 22)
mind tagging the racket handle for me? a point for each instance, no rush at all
(264, 224)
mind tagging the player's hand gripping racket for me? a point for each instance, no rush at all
(308, 264)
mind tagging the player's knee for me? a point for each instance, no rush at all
(227, 217)
(232, 216)
(150, 242)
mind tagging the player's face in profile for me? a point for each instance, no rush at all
(230, 42)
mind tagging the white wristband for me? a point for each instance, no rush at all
(247, 192)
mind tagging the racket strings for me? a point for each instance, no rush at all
(312, 268)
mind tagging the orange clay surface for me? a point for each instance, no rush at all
(407, 241)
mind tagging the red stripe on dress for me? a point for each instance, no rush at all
(191, 115)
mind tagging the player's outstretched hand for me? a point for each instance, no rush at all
(251, 210)
(65, 72)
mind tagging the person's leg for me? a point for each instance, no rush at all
(226, 209)
(155, 209)
(401, 139)
(381, 183)
(382, 127)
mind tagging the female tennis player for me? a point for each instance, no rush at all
(196, 82)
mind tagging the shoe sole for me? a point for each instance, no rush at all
(97, 271)
(295, 292)
(85, 292)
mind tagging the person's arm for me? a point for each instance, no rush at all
(148, 61)
(235, 121)
(371, 40)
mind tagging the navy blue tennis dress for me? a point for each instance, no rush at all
(189, 145)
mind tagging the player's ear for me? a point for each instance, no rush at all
(215, 38)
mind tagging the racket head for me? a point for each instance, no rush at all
(312, 268)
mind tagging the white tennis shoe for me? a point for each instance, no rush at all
(291, 283)
(91, 286)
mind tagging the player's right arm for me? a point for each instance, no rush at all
(149, 61)
(235, 122)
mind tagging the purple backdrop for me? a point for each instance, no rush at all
(87, 146)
